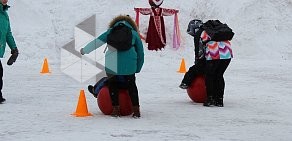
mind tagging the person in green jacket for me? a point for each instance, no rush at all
(121, 64)
(5, 37)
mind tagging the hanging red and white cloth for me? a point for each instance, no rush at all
(155, 37)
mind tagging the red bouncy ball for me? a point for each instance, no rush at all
(197, 90)
(105, 103)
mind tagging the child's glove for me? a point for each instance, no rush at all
(82, 51)
(13, 57)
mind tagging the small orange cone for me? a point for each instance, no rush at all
(182, 68)
(45, 68)
(81, 109)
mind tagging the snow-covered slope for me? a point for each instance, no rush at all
(258, 81)
(262, 27)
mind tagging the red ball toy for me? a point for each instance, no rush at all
(197, 90)
(105, 103)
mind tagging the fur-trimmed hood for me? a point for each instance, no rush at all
(120, 18)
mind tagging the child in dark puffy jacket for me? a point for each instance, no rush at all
(218, 56)
(212, 60)
(195, 30)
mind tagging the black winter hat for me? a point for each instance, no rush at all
(194, 26)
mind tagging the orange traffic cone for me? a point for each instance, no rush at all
(45, 68)
(81, 109)
(182, 68)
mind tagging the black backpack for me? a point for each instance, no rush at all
(217, 30)
(120, 37)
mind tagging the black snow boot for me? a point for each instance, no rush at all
(91, 90)
(183, 86)
(219, 102)
(136, 112)
(209, 102)
(2, 100)
(116, 111)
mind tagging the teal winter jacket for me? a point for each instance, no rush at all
(120, 62)
(5, 31)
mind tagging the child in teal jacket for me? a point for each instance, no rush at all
(121, 63)
(5, 37)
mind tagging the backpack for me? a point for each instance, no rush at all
(120, 37)
(217, 30)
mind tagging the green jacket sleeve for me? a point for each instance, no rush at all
(140, 52)
(96, 43)
(9, 38)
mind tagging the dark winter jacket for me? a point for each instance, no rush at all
(199, 46)
(5, 31)
(120, 62)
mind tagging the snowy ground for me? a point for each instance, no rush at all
(258, 81)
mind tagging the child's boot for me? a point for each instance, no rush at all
(2, 100)
(136, 112)
(219, 102)
(183, 86)
(91, 90)
(209, 102)
(116, 111)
